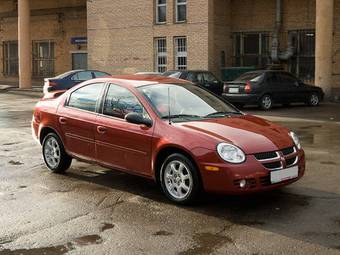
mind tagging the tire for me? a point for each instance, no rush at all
(266, 102)
(313, 99)
(181, 186)
(55, 157)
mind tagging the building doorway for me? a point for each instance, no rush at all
(79, 60)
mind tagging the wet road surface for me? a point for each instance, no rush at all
(92, 210)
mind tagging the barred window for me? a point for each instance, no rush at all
(302, 64)
(181, 53)
(10, 58)
(160, 11)
(181, 10)
(43, 58)
(251, 49)
(161, 56)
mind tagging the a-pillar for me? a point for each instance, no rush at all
(324, 45)
(24, 44)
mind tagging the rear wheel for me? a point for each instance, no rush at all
(313, 99)
(266, 102)
(55, 157)
(179, 179)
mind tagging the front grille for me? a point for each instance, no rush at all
(272, 165)
(288, 151)
(290, 161)
(265, 155)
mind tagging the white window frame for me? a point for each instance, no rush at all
(161, 51)
(177, 4)
(158, 5)
(181, 51)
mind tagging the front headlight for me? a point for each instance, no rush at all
(296, 139)
(231, 153)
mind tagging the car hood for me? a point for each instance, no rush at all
(250, 133)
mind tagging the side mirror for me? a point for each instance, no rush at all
(136, 118)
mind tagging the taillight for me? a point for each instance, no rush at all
(225, 87)
(247, 88)
(51, 83)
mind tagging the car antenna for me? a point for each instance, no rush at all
(169, 118)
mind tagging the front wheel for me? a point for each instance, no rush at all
(179, 179)
(266, 102)
(313, 99)
(55, 157)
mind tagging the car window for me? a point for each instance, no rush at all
(82, 76)
(287, 79)
(200, 78)
(192, 77)
(210, 78)
(100, 74)
(272, 78)
(172, 74)
(120, 101)
(86, 98)
(254, 77)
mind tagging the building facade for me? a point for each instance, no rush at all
(303, 36)
(53, 30)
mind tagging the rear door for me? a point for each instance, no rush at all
(119, 143)
(77, 120)
(289, 84)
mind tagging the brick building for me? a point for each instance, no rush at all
(159, 35)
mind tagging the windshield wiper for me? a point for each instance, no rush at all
(176, 116)
(215, 114)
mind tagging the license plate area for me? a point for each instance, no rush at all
(284, 174)
(234, 90)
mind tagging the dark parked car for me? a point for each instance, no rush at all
(267, 87)
(202, 78)
(69, 79)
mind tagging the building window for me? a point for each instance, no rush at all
(251, 49)
(10, 58)
(161, 56)
(181, 10)
(181, 53)
(43, 58)
(160, 11)
(302, 64)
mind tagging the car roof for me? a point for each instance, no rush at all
(141, 80)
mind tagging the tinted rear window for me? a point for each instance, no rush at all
(250, 77)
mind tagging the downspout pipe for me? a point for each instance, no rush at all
(276, 55)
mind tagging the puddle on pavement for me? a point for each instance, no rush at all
(56, 250)
(107, 226)
(207, 243)
(162, 233)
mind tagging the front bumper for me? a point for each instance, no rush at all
(227, 179)
(241, 98)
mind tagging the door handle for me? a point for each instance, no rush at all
(101, 130)
(62, 120)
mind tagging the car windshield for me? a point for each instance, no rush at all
(185, 102)
(254, 77)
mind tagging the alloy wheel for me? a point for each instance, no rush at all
(178, 180)
(52, 152)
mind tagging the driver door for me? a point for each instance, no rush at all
(121, 144)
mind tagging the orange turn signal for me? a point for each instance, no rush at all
(212, 168)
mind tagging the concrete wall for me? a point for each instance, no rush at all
(121, 35)
(46, 24)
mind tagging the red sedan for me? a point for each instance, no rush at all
(168, 130)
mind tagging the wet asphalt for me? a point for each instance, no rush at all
(91, 210)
